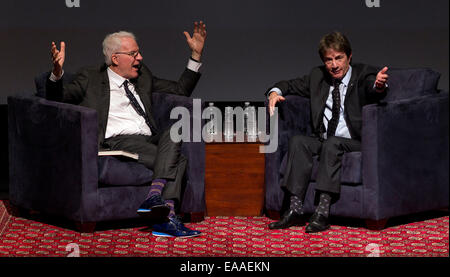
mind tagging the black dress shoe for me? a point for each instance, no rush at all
(290, 218)
(317, 223)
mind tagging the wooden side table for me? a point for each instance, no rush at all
(234, 179)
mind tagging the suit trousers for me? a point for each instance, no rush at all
(301, 151)
(158, 153)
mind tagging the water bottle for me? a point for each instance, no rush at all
(251, 122)
(211, 128)
(247, 105)
(228, 132)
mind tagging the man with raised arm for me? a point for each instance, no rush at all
(120, 90)
(337, 91)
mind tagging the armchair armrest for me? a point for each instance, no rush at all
(405, 156)
(163, 104)
(53, 155)
(293, 119)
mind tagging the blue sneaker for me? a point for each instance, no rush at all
(154, 207)
(173, 228)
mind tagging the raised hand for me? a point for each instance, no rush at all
(381, 80)
(58, 57)
(197, 41)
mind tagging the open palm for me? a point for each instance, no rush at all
(58, 58)
(197, 41)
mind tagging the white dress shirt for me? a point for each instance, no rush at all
(123, 118)
(342, 129)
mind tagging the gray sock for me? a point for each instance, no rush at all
(324, 204)
(296, 204)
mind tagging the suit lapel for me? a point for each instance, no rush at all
(319, 103)
(142, 88)
(105, 97)
(105, 91)
(351, 86)
(324, 92)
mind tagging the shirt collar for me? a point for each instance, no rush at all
(115, 78)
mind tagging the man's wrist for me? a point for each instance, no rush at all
(276, 90)
(381, 88)
(193, 65)
(56, 77)
(196, 57)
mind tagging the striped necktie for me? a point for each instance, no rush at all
(335, 111)
(138, 107)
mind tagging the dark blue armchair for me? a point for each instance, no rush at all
(55, 168)
(403, 165)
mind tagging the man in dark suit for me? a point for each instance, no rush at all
(121, 91)
(337, 91)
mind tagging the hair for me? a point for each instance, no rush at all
(112, 43)
(336, 41)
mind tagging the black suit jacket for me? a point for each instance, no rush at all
(90, 88)
(316, 87)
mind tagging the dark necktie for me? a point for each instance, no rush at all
(333, 123)
(138, 107)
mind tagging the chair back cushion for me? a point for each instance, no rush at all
(413, 82)
(42, 78)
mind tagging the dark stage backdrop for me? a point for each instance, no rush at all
(251, 43)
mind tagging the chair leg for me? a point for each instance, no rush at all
(193, 217)
(85, 227)
(376, 225)
(272, 214)
(197, 217)
(19, 211)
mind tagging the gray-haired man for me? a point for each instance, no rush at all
(121, 90)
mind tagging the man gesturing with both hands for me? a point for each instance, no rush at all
(120, 90)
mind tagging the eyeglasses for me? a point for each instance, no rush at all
(133, 54)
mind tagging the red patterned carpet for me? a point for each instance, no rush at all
(226, 237)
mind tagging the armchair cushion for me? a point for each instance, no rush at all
(115, 172)
(350, 170)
